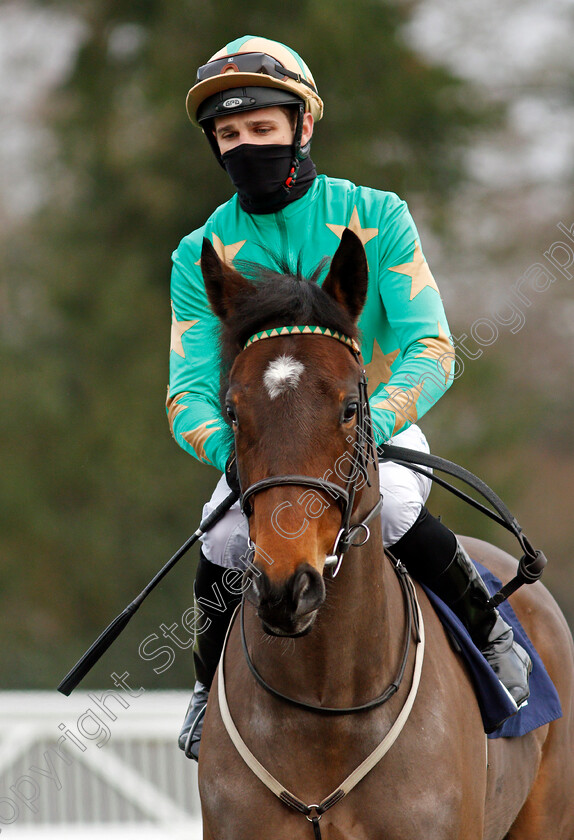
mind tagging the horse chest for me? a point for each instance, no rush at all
(408, 795)
(381, 809)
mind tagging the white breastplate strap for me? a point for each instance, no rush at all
(359, 773)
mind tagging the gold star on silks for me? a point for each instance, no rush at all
(198, 436)
(419, 272)
(441, 349)
(175, 407)
(379, 368)
(226, 253)
(364, 234)
(403, 403)
(177, 330)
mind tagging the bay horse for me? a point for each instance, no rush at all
(296, 403)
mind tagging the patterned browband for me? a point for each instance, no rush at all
(305, 330)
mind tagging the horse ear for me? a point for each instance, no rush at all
(222, 283)
(348, 275)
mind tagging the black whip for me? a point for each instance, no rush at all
(113, 630)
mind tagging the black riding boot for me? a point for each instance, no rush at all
(433, 555)
(215, 600)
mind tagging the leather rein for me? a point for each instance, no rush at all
(364, 454)
(412, 623)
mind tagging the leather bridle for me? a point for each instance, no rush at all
(364, 456)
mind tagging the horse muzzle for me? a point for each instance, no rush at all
(287, 608)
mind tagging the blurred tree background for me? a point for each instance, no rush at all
(94, 494)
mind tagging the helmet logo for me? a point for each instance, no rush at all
(232, 103)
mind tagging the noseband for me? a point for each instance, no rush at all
(364, 454)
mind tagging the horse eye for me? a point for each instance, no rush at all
(231, 413)
(350, 411)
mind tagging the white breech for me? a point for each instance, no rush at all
(404, 494)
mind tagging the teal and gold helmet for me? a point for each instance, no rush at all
(251, 73)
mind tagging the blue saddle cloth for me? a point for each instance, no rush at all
(543, 704)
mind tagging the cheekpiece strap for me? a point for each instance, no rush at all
(278, 332)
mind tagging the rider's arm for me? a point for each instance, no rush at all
(193, 397)
(422, 369)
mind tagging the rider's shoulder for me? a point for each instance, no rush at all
(370, 199)
(191, 244)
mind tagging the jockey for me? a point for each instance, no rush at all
(257, 104)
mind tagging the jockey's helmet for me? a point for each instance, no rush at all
(251, 73)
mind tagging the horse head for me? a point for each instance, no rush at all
(298, 409)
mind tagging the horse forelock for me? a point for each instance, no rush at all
(280, 299)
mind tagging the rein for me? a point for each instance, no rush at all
(533, 561)
(412, 620)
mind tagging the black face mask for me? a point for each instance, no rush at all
(259, 174)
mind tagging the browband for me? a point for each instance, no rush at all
(304, 330)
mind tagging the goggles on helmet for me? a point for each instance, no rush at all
(250, 63)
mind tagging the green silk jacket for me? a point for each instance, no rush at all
(405, 335)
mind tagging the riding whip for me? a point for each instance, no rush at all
(111, 633)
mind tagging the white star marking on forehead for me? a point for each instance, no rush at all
(282, 374)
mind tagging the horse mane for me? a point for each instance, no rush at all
(282, 297)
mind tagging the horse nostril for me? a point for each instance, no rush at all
(302, 586)
(308, 590)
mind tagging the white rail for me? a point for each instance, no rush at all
(96, 764)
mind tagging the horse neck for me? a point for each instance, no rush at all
(354, 645)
